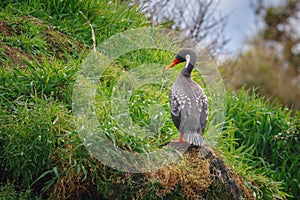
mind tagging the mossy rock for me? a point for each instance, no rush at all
(199, 174)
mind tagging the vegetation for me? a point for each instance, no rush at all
(271, 63)
(280, 30)
(42, 46)
(267, 134)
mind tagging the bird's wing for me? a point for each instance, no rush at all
(204, 112)
(202, 105)
(175, 107)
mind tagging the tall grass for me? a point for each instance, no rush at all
(147, 106)
(29, 134)
(69, 17)
(268, 134)
(39, 146)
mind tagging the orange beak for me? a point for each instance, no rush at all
(175, 62)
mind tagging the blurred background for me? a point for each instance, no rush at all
(256, 43)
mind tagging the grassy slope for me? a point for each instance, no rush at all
(42, 44)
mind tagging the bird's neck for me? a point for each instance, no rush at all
(186, 72)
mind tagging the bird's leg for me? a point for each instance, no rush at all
(180, 139)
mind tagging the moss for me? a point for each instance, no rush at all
(199, 174)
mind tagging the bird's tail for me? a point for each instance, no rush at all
(195, 139)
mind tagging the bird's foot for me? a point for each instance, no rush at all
(179, 141)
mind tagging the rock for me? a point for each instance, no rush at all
(225, 183)
(199, 174)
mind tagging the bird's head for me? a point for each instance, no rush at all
(185, 55)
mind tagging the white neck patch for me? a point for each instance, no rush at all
(187, 58)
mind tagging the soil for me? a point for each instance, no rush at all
(6, 30)
(58, 42)
(16, 55)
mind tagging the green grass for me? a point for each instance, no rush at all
(149, 97)
(41, 153)
(9, 192)
(270, 133)
(69, 17)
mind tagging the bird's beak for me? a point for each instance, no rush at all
(170, 66)
(175, 62)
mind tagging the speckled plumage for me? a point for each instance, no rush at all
(188, 102)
